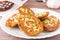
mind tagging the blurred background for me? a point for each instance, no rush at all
(41, 4)
(35, 4)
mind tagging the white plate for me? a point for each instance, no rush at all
(17, 3)
(18, 33)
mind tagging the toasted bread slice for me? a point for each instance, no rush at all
(42, 16)
(30, 24)
(12, 21)
(51, 23)
(25, 10)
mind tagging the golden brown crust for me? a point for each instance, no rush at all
(59, 22)
(30, 24)
(25, 10)
(12, 21)
(51, 23)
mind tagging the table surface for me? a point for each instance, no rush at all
(31, 4)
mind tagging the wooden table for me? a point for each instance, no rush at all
(32, 4)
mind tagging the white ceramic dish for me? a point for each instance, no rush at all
(17, 3)
(18, 33)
